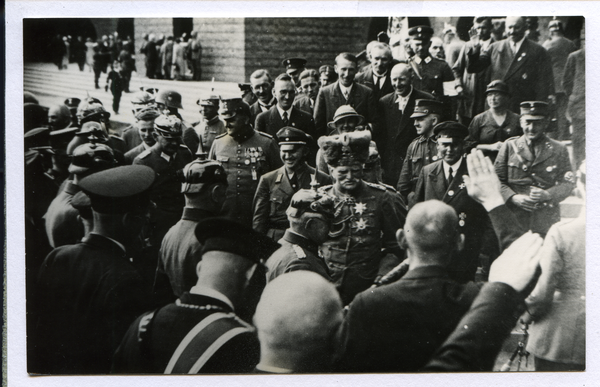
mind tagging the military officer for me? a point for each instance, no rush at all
(144, 126)
(535, 171)
(246, 155)
(210, 125)
(443, 180)
(168, 102)
(294, 67)
(361, 244)
(423, 149)
(204, 186)
(166, 157)
(93, 132)
(432, 75)
(309, 216)
(62, 225)
(202, 331)
(276, 188)
(141, 100)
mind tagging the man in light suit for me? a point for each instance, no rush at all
(443, 180)
(377, 77)
(344, 92)
(524, 65)
(284, 113)
(396, 129)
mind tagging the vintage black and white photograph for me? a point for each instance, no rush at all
(316, 195)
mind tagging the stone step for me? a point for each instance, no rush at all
(53, 86)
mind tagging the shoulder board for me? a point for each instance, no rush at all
(513, 138)
(299, 252)
(144, 154)
(221, 135)
(267, 135)
(117, 138)
(377, 186)
(183, 146)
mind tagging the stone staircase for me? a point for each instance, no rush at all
(52, 86)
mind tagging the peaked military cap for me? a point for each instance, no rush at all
(420, 33)
(170, 98)
(119, 190)
(498, 86)
(91, 158)
(142, 98)
(82, 203)
(327, 69)
(72, 103)
(91, 109)
(536, 110)
(308, 200)
(230, 107)
(150, 90)
(555, 25)
(346, 148)
(293, 64)
(424, 107)
(168, 126)
(292, 136)
(146, 113)
(38, 137)
(211, 100)
(222, 234)
(202, 172)
(450, 129)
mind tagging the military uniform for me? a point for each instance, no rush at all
(208, 131)
(421, 152)
(364, 224)
(245, 162)
(62, 225)
(273, 196)
(296, 253)
(548, 168)
(431, 73)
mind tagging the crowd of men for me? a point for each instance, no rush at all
(233, 244)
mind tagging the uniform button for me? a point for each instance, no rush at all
(239, 146)
(239, 151)
(238, 193)
(239, 158)
(239, 172)
(239, 178)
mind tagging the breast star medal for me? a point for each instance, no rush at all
(360, 224)
(359, 208)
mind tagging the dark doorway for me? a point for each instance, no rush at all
(181, 25)
(39, 34)
(125, 29)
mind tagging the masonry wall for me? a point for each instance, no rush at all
(318, 40)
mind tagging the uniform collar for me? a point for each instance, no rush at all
(300, 240)
(249, 133)
(422, 138)
(146, 146)
(71, 188)
(212, 293)
(426, 272)
(213, 120)
(94, 236)
(427, 59)
(195, 214)
(167, 157)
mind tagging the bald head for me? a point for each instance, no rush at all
(401, 77)
(515, 28)
(297, 319)
(431, 229)
(59, 117)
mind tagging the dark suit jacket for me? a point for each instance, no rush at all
(270, 122)
(528, 73)
(330, 98)
(473, 219)
(394, 133)
(366, 78)
(397, 327)
(478, 337)
(255, 110)
(302, 102)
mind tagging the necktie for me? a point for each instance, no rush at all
(450, 177)
(346, 94)
(378, 84)
(285, 118)
(514, 48)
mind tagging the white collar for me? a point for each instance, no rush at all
(280, 110)
(401, 98)
(208, 292)
(267, 106)
(110, 239)
(486, 43)
(376, 77)
(346, 90)
(454, 167)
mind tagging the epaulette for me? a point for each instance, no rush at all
(378, 186)
(144, 154)
(267, 135)
(184, 146)
(299, 252)
(117, 138)
(221, 135)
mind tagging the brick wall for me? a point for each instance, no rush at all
(318, 40)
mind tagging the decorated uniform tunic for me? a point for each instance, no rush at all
(362, 242)
(421, 151)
